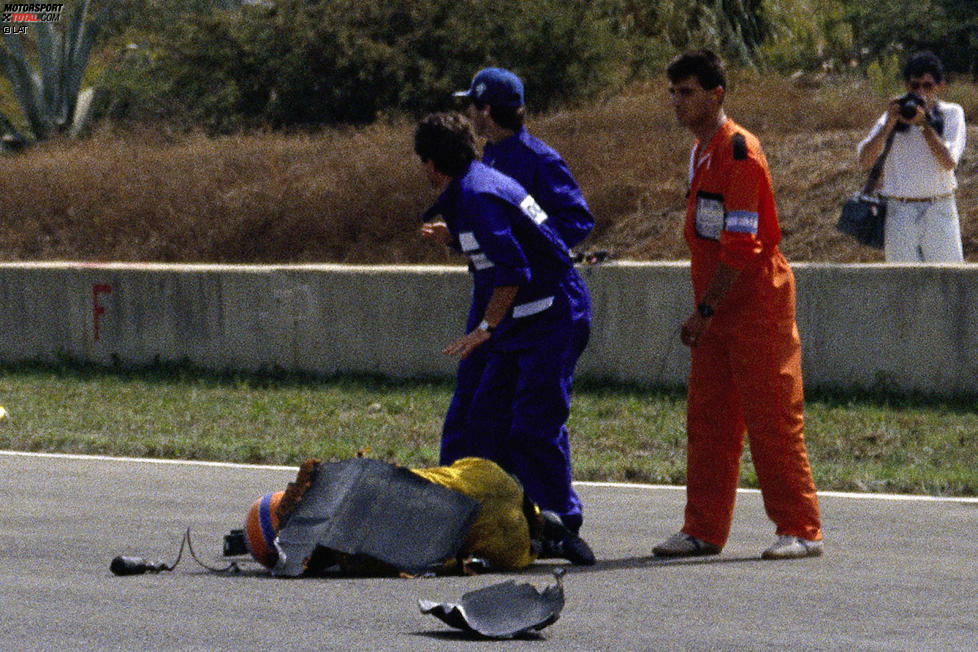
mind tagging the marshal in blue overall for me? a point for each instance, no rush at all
(530, 319)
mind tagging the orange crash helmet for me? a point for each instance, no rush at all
(261, 527)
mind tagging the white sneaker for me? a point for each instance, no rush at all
(791, 547)
(683, 545)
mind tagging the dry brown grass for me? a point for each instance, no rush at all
(355, 195)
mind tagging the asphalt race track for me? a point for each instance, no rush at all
(898, 573)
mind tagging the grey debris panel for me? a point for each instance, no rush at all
(502, 610)
(366, 507)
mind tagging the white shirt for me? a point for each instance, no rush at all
(911, 169)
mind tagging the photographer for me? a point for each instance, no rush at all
(918, 175)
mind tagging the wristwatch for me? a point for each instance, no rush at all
(484, 326)
(705, 311)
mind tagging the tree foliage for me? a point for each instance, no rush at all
(948, 27)
(227, 64)
(346, 61)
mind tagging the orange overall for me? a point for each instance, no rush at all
(745, 374)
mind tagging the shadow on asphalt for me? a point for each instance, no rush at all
(459, 635)
(636, 562)
(539, 569)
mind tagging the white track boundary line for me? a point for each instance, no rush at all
(584, 483)
(148, 460)
(827, 494)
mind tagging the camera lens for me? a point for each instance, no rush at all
(908, 106)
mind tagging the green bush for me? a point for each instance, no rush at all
(346, 61)
(223, 66)
(884, 76)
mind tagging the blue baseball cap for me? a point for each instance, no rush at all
(495, 87)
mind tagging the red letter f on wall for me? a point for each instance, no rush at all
(98, 309)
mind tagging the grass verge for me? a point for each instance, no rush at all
(868, 441)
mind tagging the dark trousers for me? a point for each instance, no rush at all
(511, 407)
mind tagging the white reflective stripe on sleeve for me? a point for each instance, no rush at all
(467, 241)
(532, 308)
(480, 261)
(741, 222)
(533, 210)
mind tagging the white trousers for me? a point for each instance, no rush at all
(922, 232)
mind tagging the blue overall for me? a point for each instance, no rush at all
(512, 397)
(541, 170)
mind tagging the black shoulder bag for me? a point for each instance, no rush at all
(864, 214)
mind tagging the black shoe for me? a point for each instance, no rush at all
(560, 542)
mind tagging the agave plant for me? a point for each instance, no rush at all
(51, 97)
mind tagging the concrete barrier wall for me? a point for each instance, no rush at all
(910, 327)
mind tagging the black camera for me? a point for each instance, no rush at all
(235, 544)
(909, 104)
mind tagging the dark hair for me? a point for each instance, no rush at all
(921, 63)
(507, 117)
(702, 64)
(447, 140)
